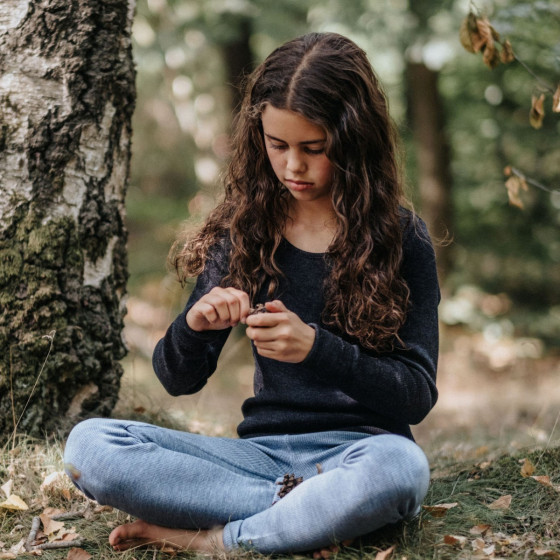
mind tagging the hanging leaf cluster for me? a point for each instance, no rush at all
(478, 35)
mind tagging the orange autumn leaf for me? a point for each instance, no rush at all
(536, 114)
(527, 469)
(78, 554)
(50, 526)
(439, 510)
(501, 503)
(455, 540)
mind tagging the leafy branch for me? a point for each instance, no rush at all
(477, 34)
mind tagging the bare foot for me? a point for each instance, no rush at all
(140, 533)
(327, 552)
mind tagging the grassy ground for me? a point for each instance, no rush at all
(486, 508)
(493, 441)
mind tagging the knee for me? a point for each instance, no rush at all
(86, 453)
(82, 439)
(397, 470)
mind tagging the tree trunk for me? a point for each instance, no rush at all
(433, 159)
(66, 101)
(238, 60)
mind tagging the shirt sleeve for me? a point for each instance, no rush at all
(400, 384)
(184, 359)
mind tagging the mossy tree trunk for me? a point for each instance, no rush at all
(66, 101)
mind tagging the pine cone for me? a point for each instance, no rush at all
(288, 484)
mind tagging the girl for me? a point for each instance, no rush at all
(312, 226)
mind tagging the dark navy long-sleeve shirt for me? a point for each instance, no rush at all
(339, 385)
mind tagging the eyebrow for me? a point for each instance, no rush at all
(305, 142)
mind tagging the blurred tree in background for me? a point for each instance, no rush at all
(461, 124)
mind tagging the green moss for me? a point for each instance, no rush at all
(10, 265)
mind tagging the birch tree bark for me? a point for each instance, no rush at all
(66, 101)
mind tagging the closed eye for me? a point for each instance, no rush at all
(314, 152)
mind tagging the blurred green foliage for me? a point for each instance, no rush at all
(186, 99)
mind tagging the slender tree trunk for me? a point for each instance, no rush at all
(66, 100)
(433, 159)
(238, 59)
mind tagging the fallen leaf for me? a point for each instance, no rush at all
(439, 510)
(480, 530)
(536, 115)
(14, 502)
(78, 554)
(52, 480)
(385, 554)
(489, 550)
(18, 548)
(546, 552)
(556, 100)
(478, 544)
(527, 469)
(50, 526)
(71, 535)
(51, 511)
(455, 540)
(501, 503)
(543, 480)
(7, 488)
(7, 556)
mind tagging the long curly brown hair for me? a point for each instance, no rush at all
(327, 79)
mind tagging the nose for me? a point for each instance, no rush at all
(295, 163)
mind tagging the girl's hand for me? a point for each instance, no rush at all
(219, 309)
(280, 334)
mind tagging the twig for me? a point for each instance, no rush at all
(67, 515)
(49, 336)
(545, 85)
(522, 175)
(35, 524)
(59, 544)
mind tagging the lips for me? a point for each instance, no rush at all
(298, 185)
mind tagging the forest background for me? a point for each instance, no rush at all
(462, 124)
(482, 160)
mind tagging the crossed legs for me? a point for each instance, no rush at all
(205, 493)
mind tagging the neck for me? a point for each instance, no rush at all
(313, 215)
(311, 227)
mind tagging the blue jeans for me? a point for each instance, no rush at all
(190, 481)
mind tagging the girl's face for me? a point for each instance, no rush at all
(296, 151)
